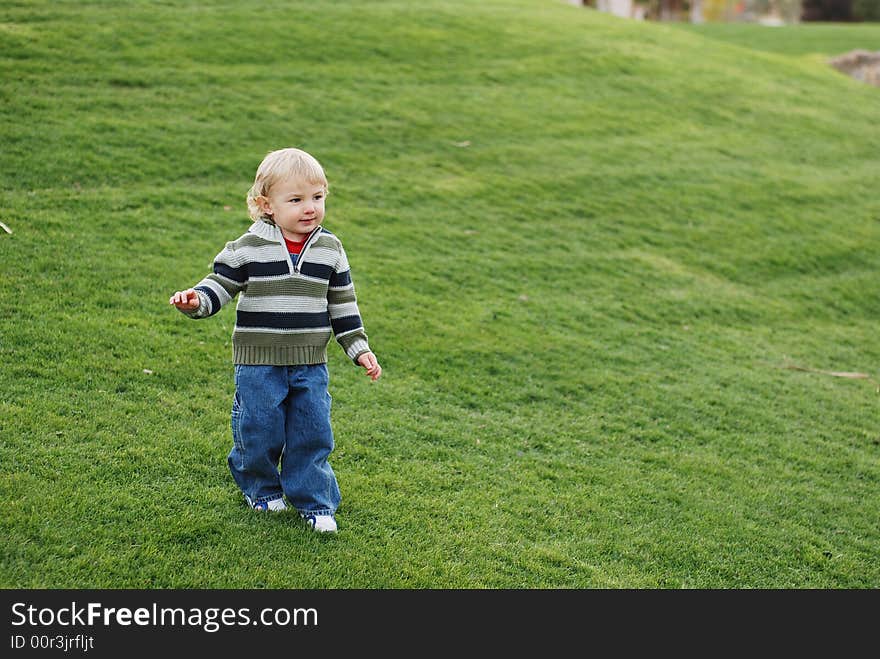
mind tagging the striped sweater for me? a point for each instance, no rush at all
(285, 313)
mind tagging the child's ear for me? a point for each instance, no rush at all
(263, 203)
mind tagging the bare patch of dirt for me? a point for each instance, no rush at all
(862, 65)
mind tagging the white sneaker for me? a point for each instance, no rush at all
(275, 505)
(321, 523)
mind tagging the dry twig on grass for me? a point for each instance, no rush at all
(852, 375)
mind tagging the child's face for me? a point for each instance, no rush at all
(296, 207)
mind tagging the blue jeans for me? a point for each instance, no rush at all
(281, 414)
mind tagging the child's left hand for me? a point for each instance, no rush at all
(368, 361)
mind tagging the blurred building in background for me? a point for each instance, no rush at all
(768, 12)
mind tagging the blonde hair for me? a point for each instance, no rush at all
(281, 165)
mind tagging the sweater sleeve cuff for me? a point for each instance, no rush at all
(202, 311)
(357, 348)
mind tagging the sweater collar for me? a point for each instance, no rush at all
(267, 230)
(270, 231)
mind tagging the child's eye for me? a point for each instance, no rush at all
(296, 200)
(318, 197)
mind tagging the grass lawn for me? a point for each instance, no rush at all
(609, 268)
(803, 39)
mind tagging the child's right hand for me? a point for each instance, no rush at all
(187, 300)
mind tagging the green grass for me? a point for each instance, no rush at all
(803, 39)
(588, 252)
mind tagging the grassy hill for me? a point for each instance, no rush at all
(820, 40)
(607, 266)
